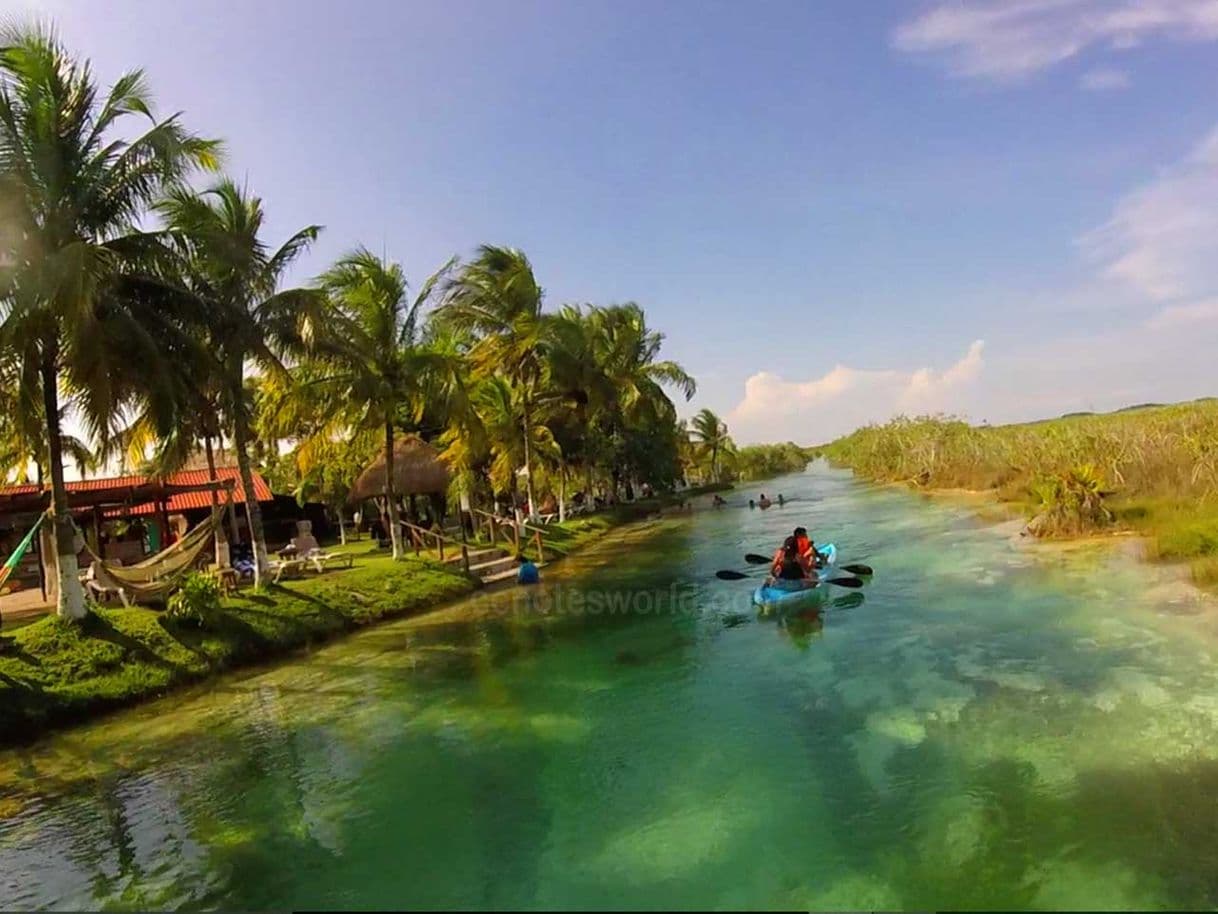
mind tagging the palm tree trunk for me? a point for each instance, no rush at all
(218, 537)
(342, 527)
(562, 492)
(395, 529)
(528, 469)
(70, 601)
(253, 513)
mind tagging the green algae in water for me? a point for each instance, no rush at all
(995, 725)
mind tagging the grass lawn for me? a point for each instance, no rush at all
(54, 671)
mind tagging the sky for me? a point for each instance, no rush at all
(835, 211)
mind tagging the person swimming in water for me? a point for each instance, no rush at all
(752, 504)
(763, 502)
(718, 502)
(780, 500)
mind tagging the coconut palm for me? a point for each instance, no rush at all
(370, 361)
(242, 316)
(496, 298)
(627, 351)
(710, 432)
(74, 181)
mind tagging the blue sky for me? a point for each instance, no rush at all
(835, 210)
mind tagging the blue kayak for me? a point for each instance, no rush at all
(803, 593)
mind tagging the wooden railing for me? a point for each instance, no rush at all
(419, 536)
(511, 532)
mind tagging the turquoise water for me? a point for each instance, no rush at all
(994, 725)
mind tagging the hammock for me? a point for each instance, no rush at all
(19, 553)
(155, 577)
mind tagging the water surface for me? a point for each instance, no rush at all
(993, 726)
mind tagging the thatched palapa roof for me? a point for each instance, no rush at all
(417, 470)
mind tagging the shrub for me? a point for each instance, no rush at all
(196, 602)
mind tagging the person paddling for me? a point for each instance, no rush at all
(807, 549)
(787, 565)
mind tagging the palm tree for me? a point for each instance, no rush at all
(72, 189)
(496, 297)
(628, 353)
(242, 315)
(196, 418)
(711, 434)
(629, 356)
(370, 357)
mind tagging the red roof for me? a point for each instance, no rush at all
(193, 501)
(184, 501)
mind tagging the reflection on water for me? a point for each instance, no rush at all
(986, 725)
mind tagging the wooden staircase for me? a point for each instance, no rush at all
(490, 564)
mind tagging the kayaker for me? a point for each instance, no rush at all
(807, 549)
(787, 564)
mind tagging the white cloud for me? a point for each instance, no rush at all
(926, 387)
(1006, 40)
(1104, 80)
(1198, 312)
(1162, 239)
(845, 398)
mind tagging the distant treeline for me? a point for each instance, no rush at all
(759, 461)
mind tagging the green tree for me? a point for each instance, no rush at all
(710, 433)
(370, 358)
(74, 181)
(242, 316)
(497, 299)
(628, 353)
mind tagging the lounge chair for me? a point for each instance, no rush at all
(319, 561)
(285, 568)
(101, 586)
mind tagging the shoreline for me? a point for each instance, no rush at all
(56, 674)
(1135, 544)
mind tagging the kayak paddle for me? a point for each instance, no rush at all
(754, 559)
(728, 575)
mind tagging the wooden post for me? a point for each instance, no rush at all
(232, 513)
(97, 543)
(163, 517)
(440, 544)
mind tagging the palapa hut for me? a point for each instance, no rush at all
(417, 470)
